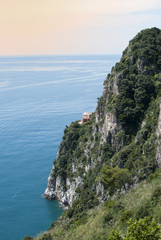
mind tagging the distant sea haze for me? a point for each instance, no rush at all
(39, 96)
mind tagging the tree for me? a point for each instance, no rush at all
(143, 229)
(115, 178)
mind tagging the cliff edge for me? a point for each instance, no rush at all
(123, 133)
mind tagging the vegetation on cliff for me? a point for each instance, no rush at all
(113, 216)
(131, 94)
(115, 151)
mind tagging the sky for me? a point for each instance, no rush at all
(48, 27)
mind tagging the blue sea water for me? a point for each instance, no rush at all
(39, 96)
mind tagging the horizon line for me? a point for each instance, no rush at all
(50, 55)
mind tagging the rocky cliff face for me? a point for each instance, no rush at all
(107, 126)
(55, 189)
(124, 130)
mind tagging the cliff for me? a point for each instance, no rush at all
(118, 151)
(97, 223)
(124, 131)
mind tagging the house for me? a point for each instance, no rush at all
(86, 117)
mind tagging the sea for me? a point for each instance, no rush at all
(39, 96)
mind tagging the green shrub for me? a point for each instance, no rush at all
(115, 236)
(126, 215)
(143, 229)
(109, 203)
(46, 236)
(156, 194)
(144, 210)
(107, 217)
(157, 213)
(118, 206)
(153, 176)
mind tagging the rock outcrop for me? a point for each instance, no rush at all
(56, 191)
(107, 130)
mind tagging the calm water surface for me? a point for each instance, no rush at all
(39, 96)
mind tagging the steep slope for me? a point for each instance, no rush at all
(144, 200)
(123, 132)
(118, 151)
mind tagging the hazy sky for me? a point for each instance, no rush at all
(29, 27)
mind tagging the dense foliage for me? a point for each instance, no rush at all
(115, 178)
(99, 223)
(137, 69)
(139, 155)
(143, 229)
